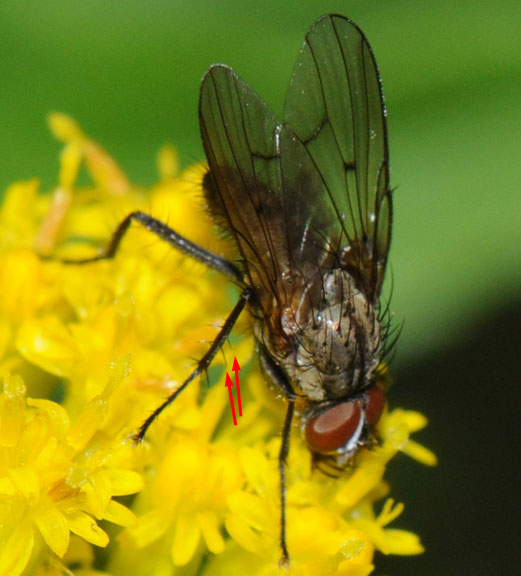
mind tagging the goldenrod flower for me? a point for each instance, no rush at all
(58, 477)
(86, 352)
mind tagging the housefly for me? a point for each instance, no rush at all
(307, 201)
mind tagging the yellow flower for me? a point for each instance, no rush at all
(58, 477)
(88, 351)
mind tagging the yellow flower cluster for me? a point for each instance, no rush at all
(88, 351)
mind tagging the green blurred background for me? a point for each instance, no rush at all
(129, 72)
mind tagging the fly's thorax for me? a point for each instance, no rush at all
(336, 344)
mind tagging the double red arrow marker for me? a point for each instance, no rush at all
(229, 384)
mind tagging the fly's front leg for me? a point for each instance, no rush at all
(276, 375)
(166, 234)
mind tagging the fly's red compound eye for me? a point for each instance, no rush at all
(341, 425)
(375, 405)
(333, 428)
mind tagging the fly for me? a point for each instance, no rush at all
(307, 201)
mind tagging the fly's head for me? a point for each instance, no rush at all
(334, 432)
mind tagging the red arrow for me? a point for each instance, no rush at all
(236, 369)
(229, 385)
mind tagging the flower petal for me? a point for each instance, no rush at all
(47, 344)
(149, 528)
(12, 411)
(360, 483)
(210, 530)
(119, 514)
(54, 412)
(400, 542)
(26, 481)
(85, 526)
(125, 481)
(186, 540)
(420, 453)
(17, 550)
(54, 529)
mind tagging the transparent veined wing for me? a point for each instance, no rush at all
(335, 107)
(240, 138)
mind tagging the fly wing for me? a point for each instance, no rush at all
(243, 186)
(335, 110)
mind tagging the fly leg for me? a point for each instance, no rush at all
(203, 363)
(166, 234)
(276, 375)
(214, 261)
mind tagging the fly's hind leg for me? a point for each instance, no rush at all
(167, 234)
(179, 242)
